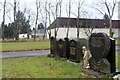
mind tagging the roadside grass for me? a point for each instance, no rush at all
(40, 67)
(118, 59)
(118, 54)
(118, 41)
(25, 46)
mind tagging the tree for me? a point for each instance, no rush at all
(3, 23)
(80, 4)
(110, 8)
(15, 23)
(106, 17)
(57, 8)
(55, 11)
(46, 14)
(22, 23)
(40, 26)
(37, 15)
(49, 16)
(68, 23)
(8, 32)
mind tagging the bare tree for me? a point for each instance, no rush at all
(16, 28)
(46, 14)
(58, 7)
(56, 12)
(80, 4)
(3, 23)
(68, 23)
(110, 7)
(37, 13)
(88, 30)
(49, 16)
(56, 15)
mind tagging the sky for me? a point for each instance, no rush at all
(86, 10)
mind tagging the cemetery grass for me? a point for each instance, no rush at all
(40, 67)
(118, 41)
(24, 46)
(118, 59)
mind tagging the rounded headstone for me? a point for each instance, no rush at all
(99, 45)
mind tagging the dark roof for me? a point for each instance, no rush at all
(62, 22)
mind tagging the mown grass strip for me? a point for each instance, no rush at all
(25, 46)
(40, 67)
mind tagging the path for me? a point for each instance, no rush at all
(24, 54)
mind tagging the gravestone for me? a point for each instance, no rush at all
(67, 49)
(53, 46)
(76, 49)
(61, 47)
(111, 55)
(100, 46)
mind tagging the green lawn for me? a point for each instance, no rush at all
(118, 54)
(40, 67)
(118, 59)
(22, 46)
(117, 41)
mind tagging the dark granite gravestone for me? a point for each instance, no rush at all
(76, 49)
(111, 55)
(67, 49)
(53, 45)
(99, 44)
(101, 47)
(61, 47)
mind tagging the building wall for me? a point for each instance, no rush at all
(119, 10)
(73, 32)
(23, 36)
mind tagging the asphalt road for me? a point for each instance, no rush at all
(24, 54)
(118, 48)
(30, 53)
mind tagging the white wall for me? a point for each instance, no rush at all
(73, 32)
(22, 36)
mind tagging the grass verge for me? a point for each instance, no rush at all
(118, 59)
(40, 67)
(118, 42)
(24, 46)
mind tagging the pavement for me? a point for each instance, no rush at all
(24, 54)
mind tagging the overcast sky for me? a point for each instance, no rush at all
(31, 8)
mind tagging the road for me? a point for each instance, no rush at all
(24, 54)
(30, 53)
(118, 48)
